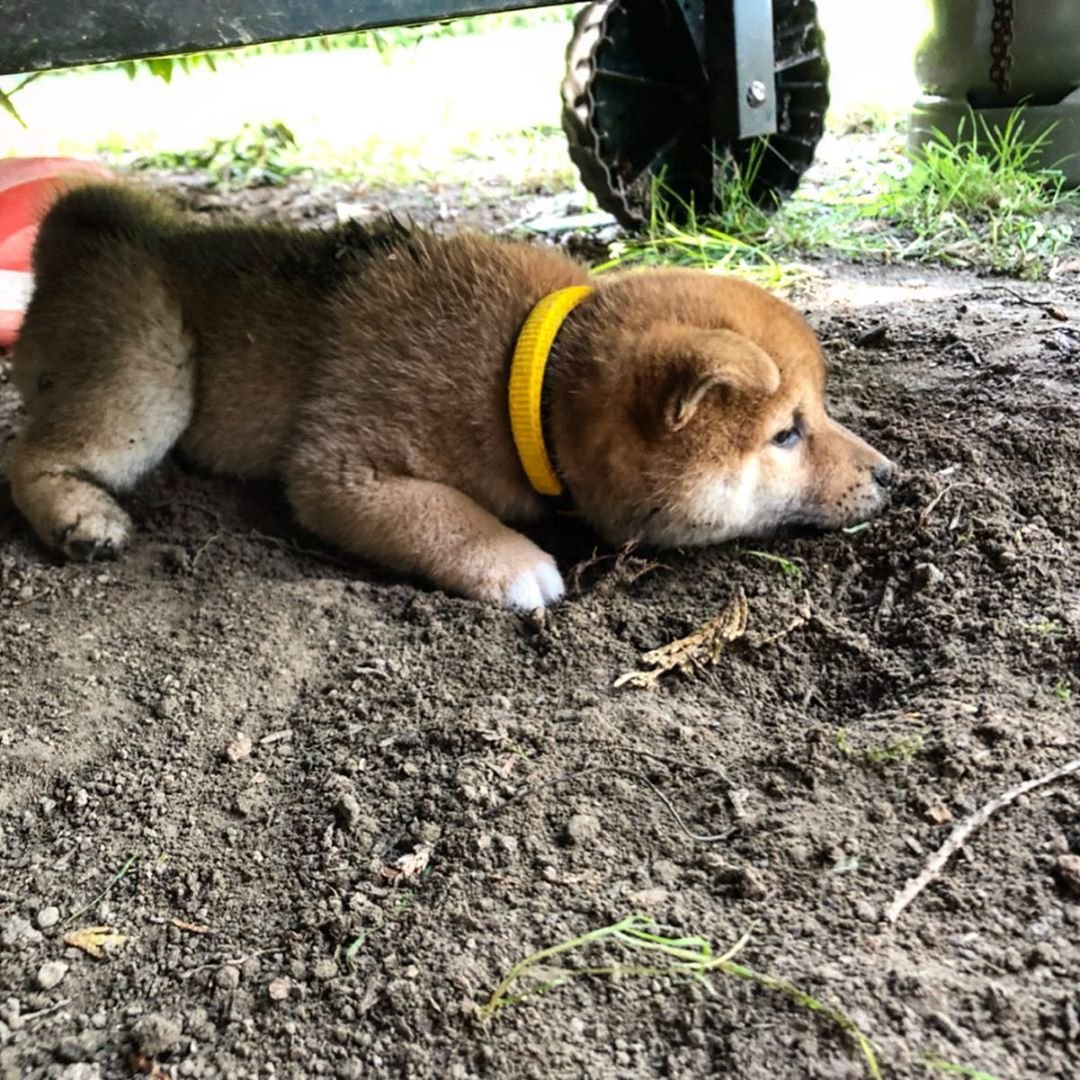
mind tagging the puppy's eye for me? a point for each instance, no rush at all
(787, 438)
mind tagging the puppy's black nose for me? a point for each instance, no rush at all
(885, 474)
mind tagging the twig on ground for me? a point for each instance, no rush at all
(202, 549)
(626, 567)
(960, 834)
(699, 838)
(700, 766)
(54, 1006)
(929, 508)
(1051, 309)
(885, 608)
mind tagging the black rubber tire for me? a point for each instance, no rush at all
(635, 106)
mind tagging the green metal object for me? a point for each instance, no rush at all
(981, 59)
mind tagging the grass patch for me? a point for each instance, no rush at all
(954, 1069)
(1063, 691)
(402, 903)
(981, 200)
(791, 570)
(259, 155)
(736, 239)
(900, 751)
(692, 957)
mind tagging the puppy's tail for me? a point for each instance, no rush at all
(92, 216)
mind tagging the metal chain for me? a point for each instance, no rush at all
(1001, 58)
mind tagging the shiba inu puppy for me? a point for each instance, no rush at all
(414, 393)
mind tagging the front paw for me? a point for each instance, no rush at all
(535, 587)
(511, 571)
(98, 532)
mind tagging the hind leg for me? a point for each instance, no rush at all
(107, 378)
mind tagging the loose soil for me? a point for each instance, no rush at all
(234, 733)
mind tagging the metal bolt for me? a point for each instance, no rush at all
(756, 94)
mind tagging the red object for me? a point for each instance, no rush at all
(27, 187)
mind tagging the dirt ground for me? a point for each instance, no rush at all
(241, 732)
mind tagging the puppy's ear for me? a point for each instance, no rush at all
(687, 363)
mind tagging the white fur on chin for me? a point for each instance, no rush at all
(722, 507)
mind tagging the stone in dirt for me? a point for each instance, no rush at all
(583, 829)
(155, 1033)
(81, 1070)
(1068, 868)
(239, 749)
(50, 974)
(48, 917)
(18, 933)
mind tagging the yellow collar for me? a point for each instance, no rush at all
(527, 384)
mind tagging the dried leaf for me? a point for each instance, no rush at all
(408, 866)
(96, 940)
(704, 645)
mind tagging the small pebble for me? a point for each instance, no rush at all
(278, 989)
(348, 811)
(582, 829)
(155, 1032)
(647, 898)
(751, 884)
(1068, 868)
(926, 576)
(873, 338)
(81, 1070)
(1042, 955)
(666, 872)
(175, 557)
(50, 974)
(324, 969)
(18, 933)
(165, 708)
(228, 977)
(866, 911)
(48, 916)
(239, 749)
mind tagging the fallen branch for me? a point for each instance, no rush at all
(960, 834)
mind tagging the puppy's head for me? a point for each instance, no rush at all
(698, 416)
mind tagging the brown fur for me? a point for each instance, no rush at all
(368, 368)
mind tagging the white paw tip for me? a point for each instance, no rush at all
(534, 588)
